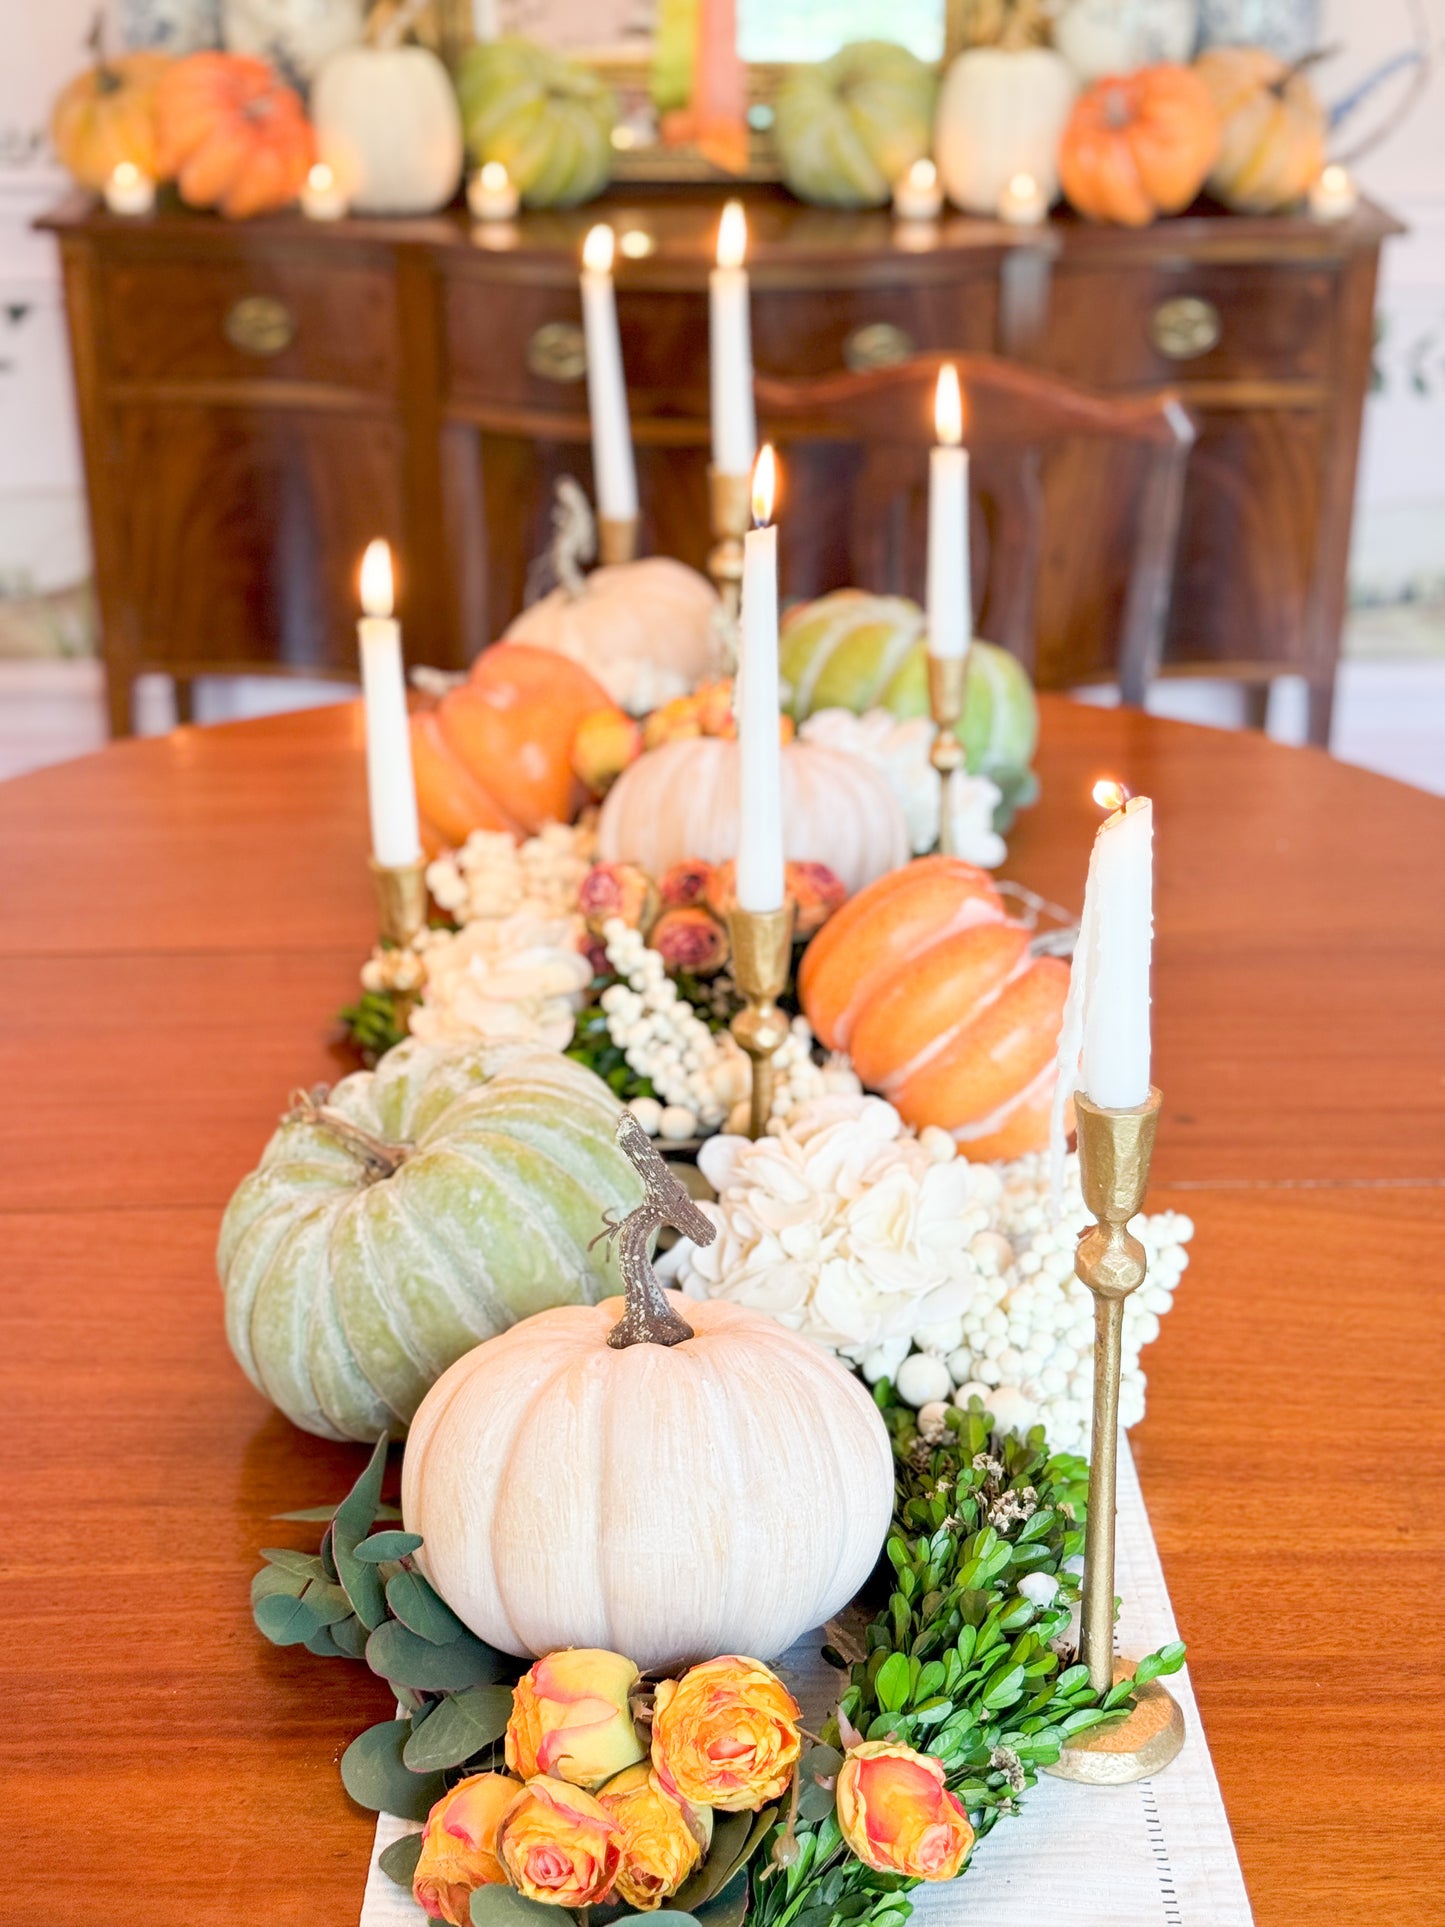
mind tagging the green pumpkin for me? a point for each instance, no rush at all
(852, 650)
(351, 1288)
(548, 120)
(847, 128)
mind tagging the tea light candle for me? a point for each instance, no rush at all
(1023, 202)
(613, 468)
(760, 759)
(321, 197)
(492, 193)
(129, 191)
(391, 786)
(1334, 196)
(949, 605)
(730, 348)
(918, 196)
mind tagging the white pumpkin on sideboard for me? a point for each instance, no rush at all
(387, 122)
(1001, 113)
(718, 1485)
(1099, 37)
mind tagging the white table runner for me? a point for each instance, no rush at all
(1155, 1854)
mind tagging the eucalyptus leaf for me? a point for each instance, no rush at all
(504, 1907)
(329, 1601)
(304, 1565)
(417, 1606)
(323, 1645)
(350, 1636)
(275, 1580)
(375, 1775)
(354, 1519)
(460, 1726)
(397, 1653)
(729, 1908)
(328, 1558)
(730, 1836)
(320, 1515)
(398, 1861)
(387, 1545)
(286, 1620)
(816, 1802)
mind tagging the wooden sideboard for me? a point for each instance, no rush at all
(258, 400)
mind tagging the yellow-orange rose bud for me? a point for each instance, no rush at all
(572, 1718)
(661, 1843)
(726, 1735)
(897, 1814)
(559, 1845)
(459, 1846)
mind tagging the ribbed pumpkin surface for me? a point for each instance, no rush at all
(348, 1296)
(932, 989)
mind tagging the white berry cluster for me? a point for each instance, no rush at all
(394, 967)
(1024, 1344)
(492, 876)
(701, 1076)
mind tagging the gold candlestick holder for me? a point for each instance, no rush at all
(400, 900)
(1115, 1147)
(617, 538)
(947, 683)
(762, 943)
(731, 500)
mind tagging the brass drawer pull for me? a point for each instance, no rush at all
(259, 324)
(1185, 327)
(557, 352)
(877, 344)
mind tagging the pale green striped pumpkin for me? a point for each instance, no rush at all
(350, 1289)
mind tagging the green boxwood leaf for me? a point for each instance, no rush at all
(354, 1519)
(398, 1861)
(416, 1605)
(287, 1620)
(375, 1775)
(503, 1907)
(397, 1653)
(1004, 1688)
(458, 1727)
(387, 1545)
(893, 1682)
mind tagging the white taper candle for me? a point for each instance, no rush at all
(760, 877)
(614, 473)
(391, 787)
(730, 348)
(950, 616)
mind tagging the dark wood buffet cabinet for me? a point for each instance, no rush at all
(259, 400)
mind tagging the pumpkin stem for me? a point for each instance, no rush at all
(1301, 66)
(379, 1156)
(648, 1319)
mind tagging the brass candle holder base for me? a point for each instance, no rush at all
(400, 899)
(616, 539)
(947, 682)
(730, 497)
(1141, 1744)
(762, 943)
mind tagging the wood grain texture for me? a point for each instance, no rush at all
(178, 920)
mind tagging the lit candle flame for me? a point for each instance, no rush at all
(732, 236)
(765, 485)
(1110, 795)
(377, 593)
(948, 407)
(127, 174)
(494, 177)
(923, 174)
(598, 249)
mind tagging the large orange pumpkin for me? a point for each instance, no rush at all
(233, 135)
(930, 986)
(1272, 145)
(1139, 144)
(496, 752)
(107, 115)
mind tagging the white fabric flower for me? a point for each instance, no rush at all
(900, 750)
(519, 978)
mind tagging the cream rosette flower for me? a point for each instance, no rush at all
(559, 1845)
(897, 1815)
(844, 1226)
(726, 1735)
(459, 1846)
(662, 1839)
(572, 1718)
(899, 749)
(517, 979)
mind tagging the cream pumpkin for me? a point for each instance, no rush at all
(1272, 144)
(387, 122)
(704, 1483)
(681, 800)
(646, 631)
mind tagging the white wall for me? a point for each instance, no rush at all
(1400, 528)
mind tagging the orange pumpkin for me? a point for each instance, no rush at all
(496, 752)
(233, 135)
(107, 115)
(929, 985)
(1139, 144)
(1272, 145)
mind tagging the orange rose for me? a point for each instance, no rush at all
(726, 1735)
(459, 1846)
(897, 1814)
(661, 1842)
(559, 1845)
(572, 1717)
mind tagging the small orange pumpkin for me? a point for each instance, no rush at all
(1137, 145)
(233, 135)
(1272, 144)
(929, 985)
(107, 115)
(496, 753)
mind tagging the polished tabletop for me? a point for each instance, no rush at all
(180, 917)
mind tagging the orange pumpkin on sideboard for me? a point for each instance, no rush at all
(931, 987)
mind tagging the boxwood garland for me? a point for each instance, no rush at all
(958, 1663)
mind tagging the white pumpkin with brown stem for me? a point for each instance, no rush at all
(686, 1480)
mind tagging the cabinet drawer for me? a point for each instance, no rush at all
(263, 318)
(1116, 326)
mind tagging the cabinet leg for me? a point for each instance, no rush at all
(185, 699)
(1319, 711)
(119, 691)
(1256, 704)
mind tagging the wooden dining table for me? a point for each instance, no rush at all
(180, 919)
